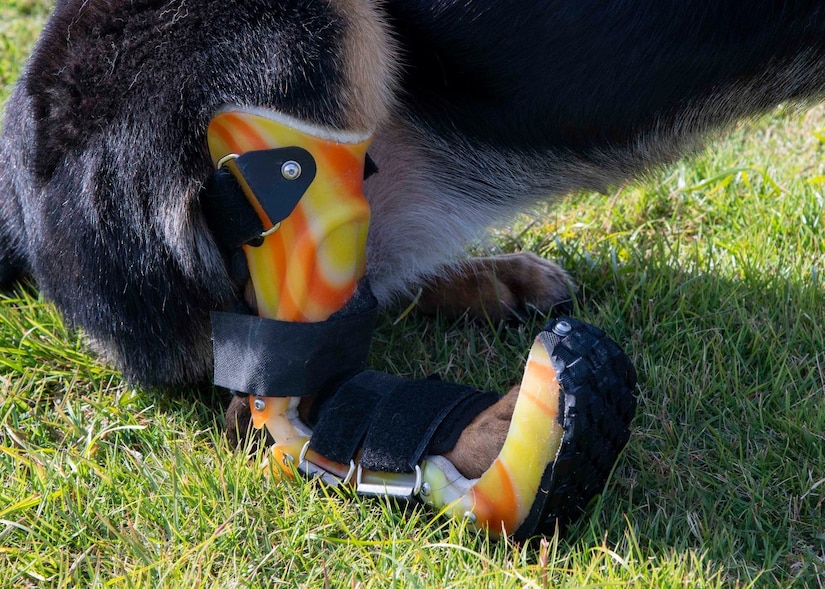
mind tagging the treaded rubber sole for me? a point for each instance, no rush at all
(596, 405)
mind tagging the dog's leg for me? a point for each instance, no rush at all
(481, 441)
(116, 102)
(498, 287)
(10, 264)
(488, 129)
(13, 177)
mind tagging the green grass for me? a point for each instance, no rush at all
(709, 273)
(20, 24)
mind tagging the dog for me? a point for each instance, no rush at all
(479, 111)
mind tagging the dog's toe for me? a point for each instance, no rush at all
(499, 287)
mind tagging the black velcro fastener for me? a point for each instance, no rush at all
(271, 358)
(344, 418)
(261, 172)
(394, 421)
(405, 421)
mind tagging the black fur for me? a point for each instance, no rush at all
(596, 74)
(501, 103)
(105, 132)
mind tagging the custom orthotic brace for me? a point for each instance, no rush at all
(290, 197)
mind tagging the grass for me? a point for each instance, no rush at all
(709, 273)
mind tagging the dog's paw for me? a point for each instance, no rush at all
(481, 441)
(499, 287)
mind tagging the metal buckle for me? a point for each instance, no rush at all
(380, 484)
(312, 470)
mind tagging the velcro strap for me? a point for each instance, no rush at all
(271, 358)
(344, 418)
(395, 422)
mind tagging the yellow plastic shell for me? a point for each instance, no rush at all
(501, 498)
(310, 267)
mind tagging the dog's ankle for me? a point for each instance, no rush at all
(239, 431)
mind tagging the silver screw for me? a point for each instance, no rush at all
(562, 328)
(259, 404)
(291, 170)
(470, 516)
(426, 490)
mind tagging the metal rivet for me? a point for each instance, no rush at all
(291, 170)
(288, 459)
(259, 404)
(426, 490)
(470, 516)
(562, 328)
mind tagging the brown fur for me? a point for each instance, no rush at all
(367, 40)
(498, 287)
(481, 441)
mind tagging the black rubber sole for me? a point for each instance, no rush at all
(596, 405)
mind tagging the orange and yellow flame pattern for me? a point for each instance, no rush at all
(309, 268)
(501, 499)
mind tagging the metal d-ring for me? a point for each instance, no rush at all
(311, 469)
(350, 473)
(271, 230)
(229, 156)
(303, 455)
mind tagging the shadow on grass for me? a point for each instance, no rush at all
(726, 459)
(728, 455)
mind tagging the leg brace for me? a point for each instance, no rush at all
(290, 196)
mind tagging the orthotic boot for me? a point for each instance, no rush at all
(288, 198)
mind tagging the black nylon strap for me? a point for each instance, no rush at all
(344, 418)
(405, 421)
(393, 421)
(228, 214)
(458, 419)
(270, 358)
(226, 208)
